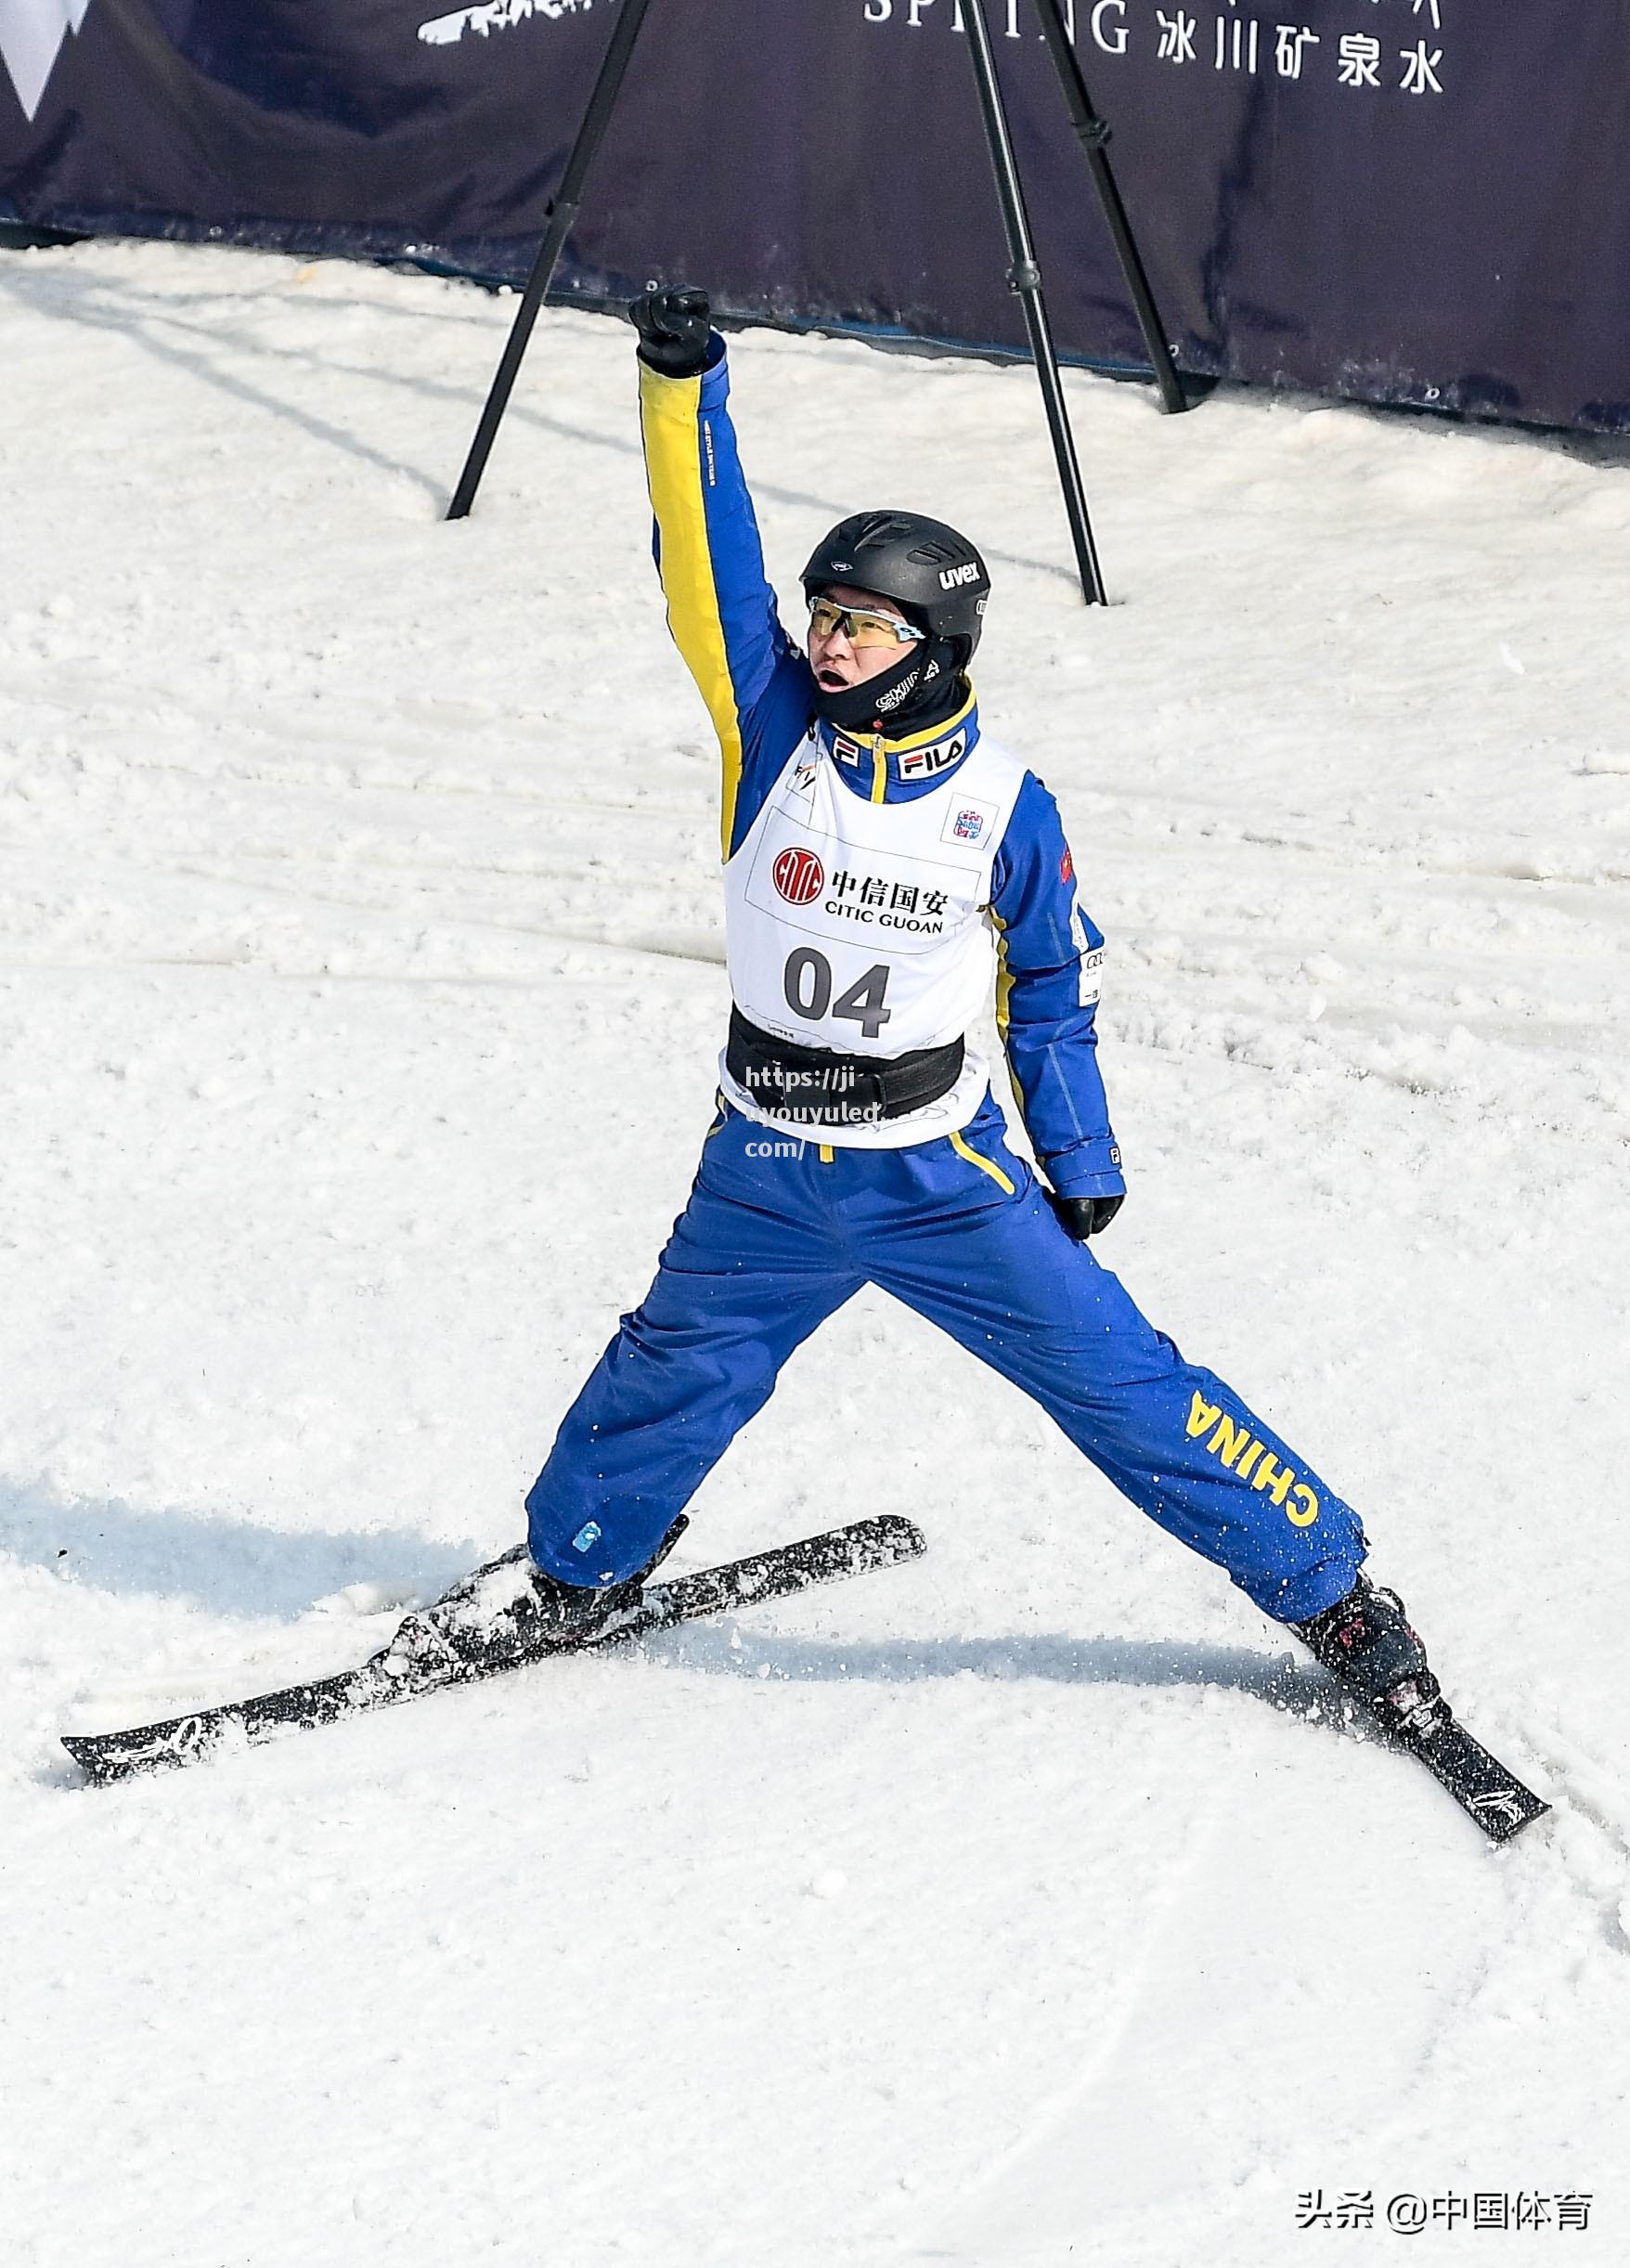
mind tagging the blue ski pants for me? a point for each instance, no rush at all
(779, 1232)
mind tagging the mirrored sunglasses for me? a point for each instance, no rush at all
(861, 625)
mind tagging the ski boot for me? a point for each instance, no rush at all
(1365, 1642)
(509, 1612)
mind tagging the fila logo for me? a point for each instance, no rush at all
(952, 578)
(921, 763)
(847, 751)
(32, 32)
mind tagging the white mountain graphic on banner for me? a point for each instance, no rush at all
(32, 32)
(489, 16)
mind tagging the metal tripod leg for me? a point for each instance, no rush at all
(1094, 133)
(1025, 278)
(563, 216)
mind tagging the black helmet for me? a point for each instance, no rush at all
(922, 564)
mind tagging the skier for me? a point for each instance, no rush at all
(884, 860)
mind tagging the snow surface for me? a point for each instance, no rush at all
(359, 984)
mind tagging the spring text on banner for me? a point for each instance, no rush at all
(1222, 40)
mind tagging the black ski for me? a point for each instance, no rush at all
(881, 1542)
(1479, 1783)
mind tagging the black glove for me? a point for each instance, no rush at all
(1080, 1217)
(675, 329)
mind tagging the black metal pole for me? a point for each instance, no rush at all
(563, 216)
(1093, 133)
(1025, 278)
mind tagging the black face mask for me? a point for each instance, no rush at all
(922, 688)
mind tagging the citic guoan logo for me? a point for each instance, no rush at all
(32, 32)
(798, 875)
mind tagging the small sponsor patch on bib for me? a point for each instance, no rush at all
(965, 822)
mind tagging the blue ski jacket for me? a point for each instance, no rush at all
(761, 694)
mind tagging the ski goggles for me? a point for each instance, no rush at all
(862, 626)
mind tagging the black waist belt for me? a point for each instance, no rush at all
(813, 1088)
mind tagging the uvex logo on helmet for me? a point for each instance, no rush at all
(798, 875)
(932, 574)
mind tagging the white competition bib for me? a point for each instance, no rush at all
(861, 928)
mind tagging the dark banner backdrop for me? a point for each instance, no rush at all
(1407, 200)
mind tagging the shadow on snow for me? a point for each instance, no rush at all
(229, 1566)
(1053, 1658)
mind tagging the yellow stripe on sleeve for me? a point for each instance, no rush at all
(673, 473)
(1003, 973)
(1004, 1018)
